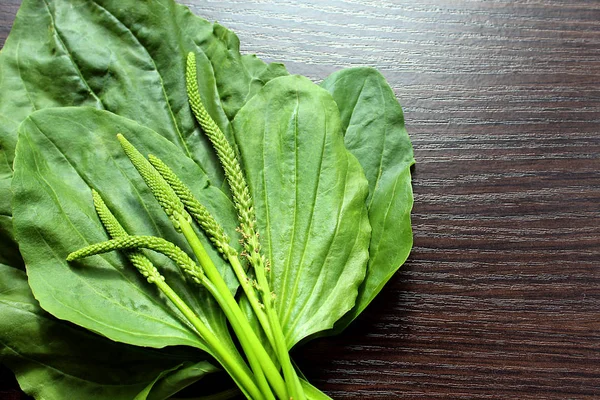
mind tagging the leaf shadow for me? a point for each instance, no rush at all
(330, 362)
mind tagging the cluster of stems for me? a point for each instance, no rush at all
(258, 374)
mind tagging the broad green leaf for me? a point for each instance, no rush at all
(374, 132)
(309, 195)
(128, 57)
(56, 360)
(62, 153)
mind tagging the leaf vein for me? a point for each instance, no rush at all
(286, 268)
(75, 66)
(301, 265)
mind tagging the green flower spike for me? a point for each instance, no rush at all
(115, 230)
(198, 212)
(244, 206)
(160, 245)
(161, 190)
(218, 237)
(225, 153)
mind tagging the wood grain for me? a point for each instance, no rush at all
(500, 298)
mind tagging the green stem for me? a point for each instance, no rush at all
(289, 373)
(243, 204)
(235, 369)
(238, 318)
(252, 297)
(217, 236)
(242, 335)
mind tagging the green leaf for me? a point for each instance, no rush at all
(172, 381)
(374, 132)
(309, 195)
(56, 360)
(127, 57)
(238, 79)
(62, 153)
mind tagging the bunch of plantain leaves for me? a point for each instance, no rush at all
(171, 209)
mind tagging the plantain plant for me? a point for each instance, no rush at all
(239, 211)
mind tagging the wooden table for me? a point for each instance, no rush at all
(500, 298)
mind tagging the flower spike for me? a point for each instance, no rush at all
(226, 154)
(183, 261)
(244, 207)
(115, 230)
(161, 190)
(198, 212)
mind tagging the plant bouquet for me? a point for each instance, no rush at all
(171, 209)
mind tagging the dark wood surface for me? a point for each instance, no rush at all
(500, 298)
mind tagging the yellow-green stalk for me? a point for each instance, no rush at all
(244, 206)
(263, 367)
